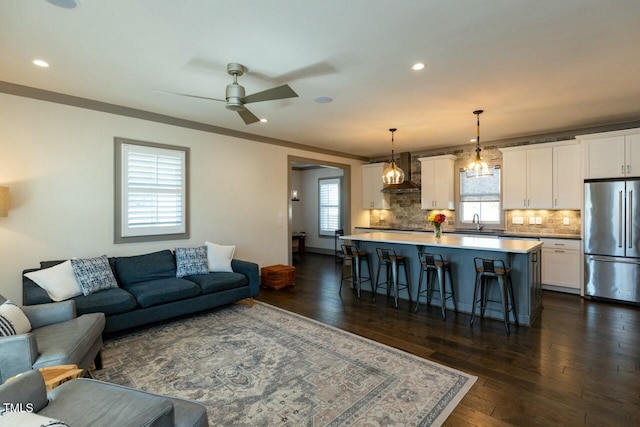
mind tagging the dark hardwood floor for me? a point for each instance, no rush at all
(578, 365)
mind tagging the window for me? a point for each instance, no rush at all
(151, 192)
(480, 195)
(329, 205)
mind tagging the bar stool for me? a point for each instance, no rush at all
(355, 256)
(388, 259)
(433, 265)
(487, 269)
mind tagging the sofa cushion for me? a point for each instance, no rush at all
(94, 274)
(142, 268)
(190, 261)
(110, 301)
(58, 280)
(217, 282)
(13, 321)
(85, 402)
(162, 291)
(68, 342)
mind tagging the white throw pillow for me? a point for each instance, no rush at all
(219, 257)
(59, 281)
(28, 419)
(13, 321)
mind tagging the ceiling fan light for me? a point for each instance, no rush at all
(393, 175)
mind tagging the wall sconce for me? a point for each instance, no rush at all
(4, 201)
(294, 196)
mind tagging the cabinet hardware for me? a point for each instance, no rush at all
(559, 251)
(558, 244)
(630, 239)
(628, 169)
(622, 170)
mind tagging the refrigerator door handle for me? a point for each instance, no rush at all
(630, 203)
(616, 261)
(620, 223)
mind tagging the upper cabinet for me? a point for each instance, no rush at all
(372, 198)
(527, 180)
(542, 176)
(612, 154)
(567, 176)
(437, 179)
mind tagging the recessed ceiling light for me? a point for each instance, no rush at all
(40, 63)
(418, 66)
(263, 120)
(66, 4)
(323, 99)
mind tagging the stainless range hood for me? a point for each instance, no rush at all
(408, 186)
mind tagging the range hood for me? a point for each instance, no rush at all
(408, 186)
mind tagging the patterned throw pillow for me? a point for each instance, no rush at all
(94, 274)
(191, 261)
(28, 419)
(13, 321)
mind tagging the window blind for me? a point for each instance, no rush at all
(154, 191)
(329, 205)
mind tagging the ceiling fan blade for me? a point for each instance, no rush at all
(190, 96)
(248, 116)
(280, 92)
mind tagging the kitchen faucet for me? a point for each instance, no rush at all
(476, 220)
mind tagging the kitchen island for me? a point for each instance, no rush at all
(523, 256)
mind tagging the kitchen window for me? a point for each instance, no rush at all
(329, 205)
(151, 192)
(481, 196)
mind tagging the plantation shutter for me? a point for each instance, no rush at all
(153, 191)
(329, 205)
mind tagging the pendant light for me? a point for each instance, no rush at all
(478, 167)
(392, 174)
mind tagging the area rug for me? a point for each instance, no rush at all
(257, 365)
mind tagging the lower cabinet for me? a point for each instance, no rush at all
(561, 265)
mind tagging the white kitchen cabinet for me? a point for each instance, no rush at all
(567, 176)
(437, 182)
(612, 154)
(527, 179)
(561, 260)
(372, 198)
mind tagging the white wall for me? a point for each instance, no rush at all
(58, 162)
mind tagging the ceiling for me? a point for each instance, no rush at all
(534, 67)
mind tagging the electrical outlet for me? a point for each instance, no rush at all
(532, 220)
(565, 220)
(538, 220)
(381, 217)
(517, 220)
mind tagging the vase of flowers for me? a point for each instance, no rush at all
(437, 220)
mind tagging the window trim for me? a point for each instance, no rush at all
(486, 226)
(119, 143)
(331, 234)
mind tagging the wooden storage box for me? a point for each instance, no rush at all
(277, 276)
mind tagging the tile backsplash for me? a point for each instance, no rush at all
(552, 222)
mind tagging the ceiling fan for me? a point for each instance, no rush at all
(235, 95)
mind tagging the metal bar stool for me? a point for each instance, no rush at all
(487, 269)
(391, 261)
(339, 255)
(355, 256)
(433, 265)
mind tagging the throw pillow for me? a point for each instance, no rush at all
(219, 257)
(59, 281)
(28, 419)
(94, 274)
(13, 321)
(191, 261)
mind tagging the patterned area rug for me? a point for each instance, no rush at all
(262, 366)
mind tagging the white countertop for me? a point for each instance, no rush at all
(448, 241)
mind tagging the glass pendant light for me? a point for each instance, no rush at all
(478, 167)
(392, 174)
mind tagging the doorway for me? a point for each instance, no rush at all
(305, 177)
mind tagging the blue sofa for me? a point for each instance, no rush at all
(149, 290)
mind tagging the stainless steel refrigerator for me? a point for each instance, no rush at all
(612, 239)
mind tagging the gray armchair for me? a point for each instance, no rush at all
(58, 337)
(84, 402)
